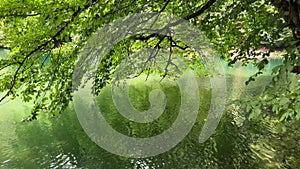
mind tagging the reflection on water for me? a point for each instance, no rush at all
(61, 142)
(64, 161)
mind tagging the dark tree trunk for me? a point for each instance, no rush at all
(290, 11)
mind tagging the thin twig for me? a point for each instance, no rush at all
(169, 59)
(152, 55)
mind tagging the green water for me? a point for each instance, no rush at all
(61, 142)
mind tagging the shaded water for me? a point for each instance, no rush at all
(62, 143)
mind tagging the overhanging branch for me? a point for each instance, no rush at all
(41, 46)
(188, 17)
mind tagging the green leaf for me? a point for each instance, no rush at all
(284, 101)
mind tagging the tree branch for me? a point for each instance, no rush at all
(4, 47)
(41, 46)
(201, 10)
(152, 55)
(169, 58)
(19, 15)
(172, 42)
(188, 17)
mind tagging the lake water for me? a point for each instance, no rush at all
(61, 142)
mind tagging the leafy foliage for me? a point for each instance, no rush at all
(45, 37)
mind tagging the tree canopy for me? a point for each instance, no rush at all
(39, 33)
